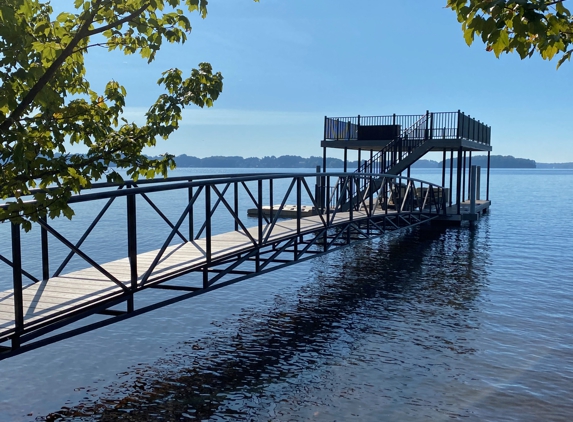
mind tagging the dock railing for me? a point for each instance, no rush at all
(201, 208)
(441, 125)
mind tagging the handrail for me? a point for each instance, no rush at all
(442, 125)
(214, 205)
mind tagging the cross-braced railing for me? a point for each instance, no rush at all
(205, 229)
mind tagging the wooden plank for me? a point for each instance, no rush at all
(72, 290)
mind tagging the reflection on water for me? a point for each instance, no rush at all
(473, 324)
(380, 331)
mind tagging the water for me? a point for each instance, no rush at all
(439, 324)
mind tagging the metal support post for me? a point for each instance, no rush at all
(298, 212)
(271, 200)
(451, 177)
(207, 236)
(444, 169)
(478, 183)
(464, 178)
(459, 182)
(469, 171)
(17, 285)
(236, 203)
(190, 217)
(260, 225)
(132, 247)
(317, 190)
(472, 187)
(487, 176)
(45, 252)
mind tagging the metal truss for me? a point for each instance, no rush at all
(347, 208)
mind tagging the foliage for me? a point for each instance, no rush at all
(523, 26)
(47, 104)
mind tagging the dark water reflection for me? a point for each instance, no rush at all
(377, 335)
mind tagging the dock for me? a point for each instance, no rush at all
(268, 228)
(40, 304)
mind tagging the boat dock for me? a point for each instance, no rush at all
(267, 228)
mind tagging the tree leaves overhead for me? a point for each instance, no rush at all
(46, 102)
(522, 26)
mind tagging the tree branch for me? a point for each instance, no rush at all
(119, 22)
(82, 33)
(50, 72)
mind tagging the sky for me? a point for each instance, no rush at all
(287, 64)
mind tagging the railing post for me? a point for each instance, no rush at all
(451, 192)
(191, 223)
(431, 125)
(459, 126)
(298, 212)
(298, 204)
(325, 128)
(17, 285)
(236, 203)
(207, 236)
(426, 132)
(459, 182)
(132, 247)
(328, 200)
(351, 208)
(317, 191)
(271, 206)
(260, 222)
(351, 197)
(464, 177)
(45, 252)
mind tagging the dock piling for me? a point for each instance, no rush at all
(473, 185)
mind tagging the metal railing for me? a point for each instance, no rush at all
(351, 205)
(441, 125)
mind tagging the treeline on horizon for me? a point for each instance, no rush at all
(295, 161)
(284, 161)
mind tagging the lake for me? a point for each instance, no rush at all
(469, 323)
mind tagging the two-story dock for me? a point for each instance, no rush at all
(392, 144)
(209, 238)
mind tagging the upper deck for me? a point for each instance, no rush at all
(445, 130)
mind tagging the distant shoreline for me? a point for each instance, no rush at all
(294, 161)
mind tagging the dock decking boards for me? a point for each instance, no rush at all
(50, 300)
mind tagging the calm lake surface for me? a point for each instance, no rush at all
(463, 323)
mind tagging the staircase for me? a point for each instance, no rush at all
(393, 159)
(403, 151)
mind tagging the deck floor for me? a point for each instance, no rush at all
(48, 300)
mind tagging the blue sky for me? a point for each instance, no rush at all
(287, 64)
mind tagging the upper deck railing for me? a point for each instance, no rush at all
(439, 125)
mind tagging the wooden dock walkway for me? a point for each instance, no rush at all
(341, 208)
(51, 300)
